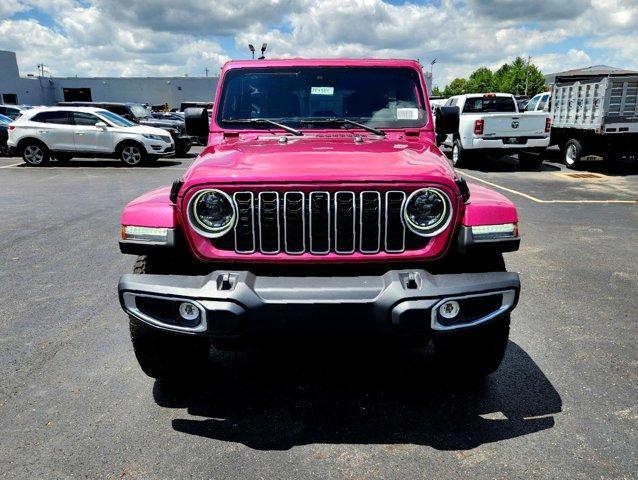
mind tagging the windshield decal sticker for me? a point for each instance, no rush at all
(407, 113)
(322, 90)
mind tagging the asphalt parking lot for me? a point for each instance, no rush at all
(74, 403)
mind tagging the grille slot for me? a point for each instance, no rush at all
(320, 222)
(269, 236)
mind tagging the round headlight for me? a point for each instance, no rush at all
(212, 213)
(427, 212)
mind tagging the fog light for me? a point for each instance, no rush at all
(450, 309)
(189, 313)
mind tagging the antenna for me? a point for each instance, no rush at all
(252, 49)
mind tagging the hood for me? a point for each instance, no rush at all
(321, 158)
(154, 122)
(142, 129)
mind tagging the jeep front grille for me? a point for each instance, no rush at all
(319, 222)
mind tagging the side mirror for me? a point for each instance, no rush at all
(101, 125)
(447, 120)
(197, 122)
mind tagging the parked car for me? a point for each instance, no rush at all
(594, 113)
(205, 105)
(491, 123)
(4, 135)
(67, 132)
(176, 116)
(139, 113)
(539, 103)
(324, 206)
(11, 111)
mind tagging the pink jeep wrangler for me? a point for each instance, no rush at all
(320, 205)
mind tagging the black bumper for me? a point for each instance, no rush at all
(237, 303)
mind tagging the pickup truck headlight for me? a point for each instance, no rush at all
(212, 213)
(427, 212)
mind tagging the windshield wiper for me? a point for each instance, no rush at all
(262, 121)
(344, 121)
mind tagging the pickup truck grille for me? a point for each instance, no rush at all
(319, 223)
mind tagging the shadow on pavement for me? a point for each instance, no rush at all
(91, 163)
(274, 402)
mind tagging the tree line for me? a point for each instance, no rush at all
(509, 78)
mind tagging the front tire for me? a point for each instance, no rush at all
(165, 355)
(572, 153)
(132, 154)
(35, 153)
(474, 353)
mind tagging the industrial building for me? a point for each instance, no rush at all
(41, 90)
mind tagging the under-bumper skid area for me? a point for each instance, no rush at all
(235, 303)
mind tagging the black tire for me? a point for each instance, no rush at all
(182, 149)
(474, 353)
(35, 153)
(132, 154)
(459, 155)
(165, 355)
(478, 351)
(530, 161)
(572, 153)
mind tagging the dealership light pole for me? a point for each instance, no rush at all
(252, 49)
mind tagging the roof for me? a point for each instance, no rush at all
(323, 62)
(591, 71)
(67, 108)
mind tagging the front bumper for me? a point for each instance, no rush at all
(237, 303)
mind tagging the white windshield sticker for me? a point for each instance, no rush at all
(322, 90)
(407, 113)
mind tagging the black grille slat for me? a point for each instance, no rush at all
(245, 228)
(294, 222)
(345, 226)
(394, 228)
(370, 222)
(269, 239)
(319, 211)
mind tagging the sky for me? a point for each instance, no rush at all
(184, 37)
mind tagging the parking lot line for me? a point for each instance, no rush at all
(12, 165)
(540, 200)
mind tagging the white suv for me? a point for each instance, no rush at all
(67, 132)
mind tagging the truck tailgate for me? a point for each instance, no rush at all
(529, 124)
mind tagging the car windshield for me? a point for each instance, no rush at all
(116, 120)
(4, 119)
(140, 111)
(382, 97)
(489, 104)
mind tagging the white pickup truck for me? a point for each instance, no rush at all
(490, 123)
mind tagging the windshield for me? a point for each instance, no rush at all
(116, 120)
(378, 97)
(4, 119)
(489, 104)
(140, 112)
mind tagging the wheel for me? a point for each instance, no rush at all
(182, 149)
(478, 351)
(529, 161)
(573, 151)
(35, 153)
(132, 154)
(165, 355)
(460, 156)
(474, 353)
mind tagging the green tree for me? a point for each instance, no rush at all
(437, 92)
(518, 75)
(458, 86)
(481, 81)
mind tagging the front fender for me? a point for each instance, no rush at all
(153, 209)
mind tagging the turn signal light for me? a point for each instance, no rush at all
(11, 127)
(548, 125)
(478, 126)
